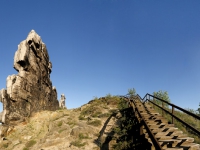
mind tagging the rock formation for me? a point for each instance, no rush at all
(31, 89)
(62, 101)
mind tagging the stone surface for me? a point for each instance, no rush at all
(31, 89)
(62, 101)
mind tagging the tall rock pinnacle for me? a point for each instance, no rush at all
(31, 89)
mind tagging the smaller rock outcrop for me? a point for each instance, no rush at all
(62, 102)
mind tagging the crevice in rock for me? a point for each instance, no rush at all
(34, 51)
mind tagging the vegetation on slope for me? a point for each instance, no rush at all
(103, 123)
(185, 117)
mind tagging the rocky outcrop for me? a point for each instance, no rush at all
(31, 89)
(62, 102)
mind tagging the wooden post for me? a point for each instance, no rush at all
(163, 110)
(141, 127)
(172, 114)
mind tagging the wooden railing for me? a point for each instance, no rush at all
(147, 98)
(153, 100)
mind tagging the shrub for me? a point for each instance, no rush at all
(108, 95)
(131, 92)
(162, 95)
(122, 104)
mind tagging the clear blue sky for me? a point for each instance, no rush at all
(108, 46)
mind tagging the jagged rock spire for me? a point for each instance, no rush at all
(31, 89)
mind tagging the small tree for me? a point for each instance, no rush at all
(131, 92)
(162, 95)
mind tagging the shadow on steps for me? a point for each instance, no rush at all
(124, 135)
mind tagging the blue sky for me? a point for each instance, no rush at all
(99, 47)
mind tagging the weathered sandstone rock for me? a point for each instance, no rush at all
(31, 89)
(62, 102)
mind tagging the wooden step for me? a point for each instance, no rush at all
(167, 129)
(192, 146)
(169, 143)
(174, 148)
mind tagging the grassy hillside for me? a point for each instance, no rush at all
(102, 123)
(87, 127)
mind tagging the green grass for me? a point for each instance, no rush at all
(91, 110)
(81, 117)
(71, 123)
(95, 122)
(83, 136)
(78, 143)
(60, 123)
(104, 115)
(61, 130)
(29, 144)
(96, 114)
(5, 145)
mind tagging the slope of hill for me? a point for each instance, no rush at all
(101, 124)
(82, 128)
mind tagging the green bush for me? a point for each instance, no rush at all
(122, 104)
(108, 96)
(131, 92)
(162, 95)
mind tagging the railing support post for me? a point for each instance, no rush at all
(163, 110)
(172, 114)
(141, 128)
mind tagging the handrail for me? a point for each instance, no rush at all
(139, 96)
(172, 113)
(185, 111)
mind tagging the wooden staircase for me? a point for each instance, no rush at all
(168, 136)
